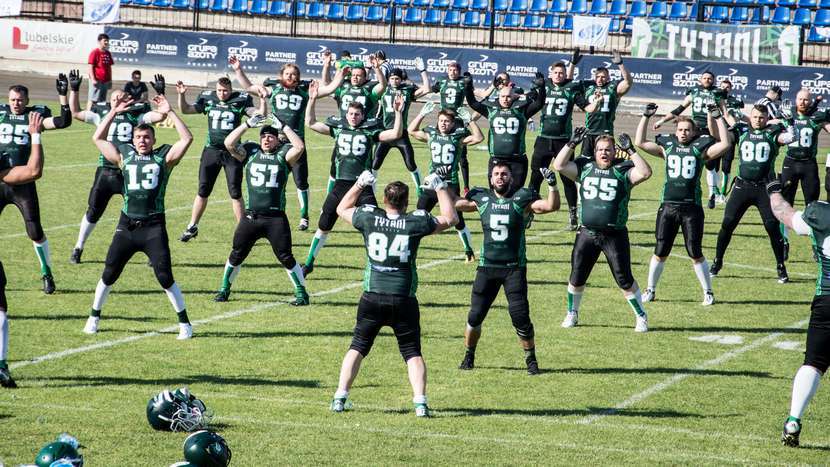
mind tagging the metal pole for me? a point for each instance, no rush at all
(392, 24)
(492, 23)
(294, 19)
(701, 9)
(54, 9)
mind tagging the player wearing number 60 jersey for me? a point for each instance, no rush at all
(146, 171)
(605, 185)
(685, 153)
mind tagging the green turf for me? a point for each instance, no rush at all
(268, 370)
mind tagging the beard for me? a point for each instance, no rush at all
(502, 190)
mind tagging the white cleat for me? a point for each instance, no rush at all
(185, 331)
(708, 298)
(91, 326)
(642, 324)
(571, 319)
(720, 199)
(648, 295)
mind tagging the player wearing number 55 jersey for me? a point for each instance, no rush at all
(146, 171)
(605, 185)
(758, 145)
(391, 236)
(266, 171)
(685, 153)
(225, 110)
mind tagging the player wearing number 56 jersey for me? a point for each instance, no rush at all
(758, 145)
(605, 185)
(266, 171)
(685, 153)
(146, 171)
(225, 109)
(391, 236)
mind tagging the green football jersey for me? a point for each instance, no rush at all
(387, 101)
(601, 120)
(684, 165)
(223, 116)
(391, 248)
(122, 126)
(265, 178)
(346, 94)
(758, 150)
(354, 146)
(145, 181)
(733, 102)
(445, 150)
(702, 97)
(506, 138)
(503, 223)
(817, 216)
(289, 104)
(15, 143)
(603, 194)
(451, 92)
(807, 129)
(559, 105)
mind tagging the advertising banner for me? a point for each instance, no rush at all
(11, 7)
(590, 31)
(52, 42)
(101, 11)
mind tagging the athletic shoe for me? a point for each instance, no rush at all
(642, 324)
(708, 298)
(301, 299)
(529, 222)
(786, 248)
(714, 269)
(720, 199)
(471, 257)
(792, 430)
(783, 278)
(532, 367)
(303, 224)
(6, 380)
(76, 256)
(222, 295)
(307, 269)
(338, 405)
(185, 331)
(573, 219)
(190, 233)
(571, 319)
(648, 295)
(48, 284)
(91, 326)
(421, 410)
(711, 203)
(469, 361)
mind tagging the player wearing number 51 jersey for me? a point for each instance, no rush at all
(146, 171)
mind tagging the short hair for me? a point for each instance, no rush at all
(20, 89)
(290, 65)
(145, 127)
(726, 80)
(503, 165)
(761, 108)
(607, 138)
(358, 106)
(225, 82)
(559, 65)
(454, 65)
(449, 113)
(601, 69)
(269, 130)
(136, 72)
(707, 72)
(103, 36)
(396, 195)
(685, 119)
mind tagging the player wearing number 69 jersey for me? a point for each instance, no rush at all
(146, 171)
(605, 184)
(685, 153)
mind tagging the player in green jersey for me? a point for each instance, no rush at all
(391, 237)
(15, 146)
(146, 171)
(12, 176)
(758, 144)
(734, 107)
(502, 261)
(224, 109)
(685, 153)
(815, 222)
(800, 161)
(354, 138)
(605, 184)
(108, 181)
(603, 95)
(445, 141)
(450, 90)
(267, 164)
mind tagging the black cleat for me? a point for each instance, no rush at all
(786, 248)
(469, 361)
(714, 269)
(48, 284)
(792, 430)
(189, 234)
(307, 269)
(6, 380)
(529, 221)
(300, 300)
(471, 256)
(573, 219)
(76, 256)
(711, 203)
(303, 224)
(532, 367)
(222, 295)
(783, 277)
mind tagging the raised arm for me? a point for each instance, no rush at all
(625, 85)
(184, 107)
(783, 211)
(576, 57)
(64, 119)
(381, 86)
(397, 129)
(99, 136)
(537, 102)
(243, 80)
(641, 171)
(74, 101)
(329, 88)
(563, 163)
(414, 128)
(311, 113)
(347, 205)
(552, 202)
(34, 166)
(424, 89)
(185, 137)
(724, 139)
(687, 101)
(448, 216)
(232, 140)
(325, 74)
(297, 144)
(472, 101)
(641, 137)
(475, 134)
(787, 136)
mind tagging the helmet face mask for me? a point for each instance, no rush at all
(177, 411)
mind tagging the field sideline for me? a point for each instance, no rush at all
(676, 395)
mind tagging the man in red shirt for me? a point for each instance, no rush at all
(100, 71)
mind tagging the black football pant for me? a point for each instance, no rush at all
(429, 199)
(805, 171)
(544, 151)
(672, 217)
(3, 304)
(329, 215)
(131, 236)
(273, 227)
(818, 334)
(108, 182)
(588, 245)
(745, 194)
(488, 282)
(401, 313)
(25, 198)
(403, 145)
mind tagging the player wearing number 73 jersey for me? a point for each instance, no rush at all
(146, 171)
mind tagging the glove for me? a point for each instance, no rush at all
(274, 122)
(787, 108)
(616, 57)
(576, 57)
(365, 179)
(464, 115)
(443, 172)
(75, 80)
(650, 109)
(789, 135)
(433, 182)
(420, 65)
(549, 176)
(539, 80)
(578, 136)
(774, 186)
(624, 141)
(62, 84)
(255, 120)
(714, 110)
(427, 109)
(467, 78)
(158, 84)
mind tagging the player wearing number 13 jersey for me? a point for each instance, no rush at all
(146, 171)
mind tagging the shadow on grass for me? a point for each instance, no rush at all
(73, 381)
(270, 334)
(483, 412)
(422, 305)
(727, 329)
(81, 317)
(661, 370)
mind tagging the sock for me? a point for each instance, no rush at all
(715, 186)
(420, 400)
(635, 301)
(574, 298)
(191, 225)
(784, 232)
(93, 313)
(102, 291)
(710, 181)
(330, 185)
(725, 183)
(316, 245)
(4, 339)
(416, 178)
(341, 394)
(42, 251)
(530, 354)
(655, 269)
(296, 276)
(466, 238)
(174, 294)
(86, 229)
(182, 315)
(805, 384)
(302, 195)
(230, 274)
(702, 273)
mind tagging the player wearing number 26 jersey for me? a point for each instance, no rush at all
(146, 171)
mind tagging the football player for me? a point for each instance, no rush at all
(800, 161)
(733, 106)
(603, 95)
(450, 91)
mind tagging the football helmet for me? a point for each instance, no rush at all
(207, 449)
(177, 410)
(60, 453)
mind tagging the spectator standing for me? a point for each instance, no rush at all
(100, 71)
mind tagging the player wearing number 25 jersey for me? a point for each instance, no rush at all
(391, 236)
(146, 171)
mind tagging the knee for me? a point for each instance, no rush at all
(772, 226)
(625, 282)
(411, 348)
(35, 231)
(93, 215)
(361, 345)
(109, 276)
(461, 224)
(819, 362)
(205, 190)
(235, 192)
(475, 318)
(286, 259)
(521, 322)
(164, 274)
(728, 224)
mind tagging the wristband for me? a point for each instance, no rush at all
(35, 138)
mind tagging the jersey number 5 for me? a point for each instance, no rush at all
(258, 175)
(20, 133)
(351, 144)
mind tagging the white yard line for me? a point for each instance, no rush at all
(736, 265)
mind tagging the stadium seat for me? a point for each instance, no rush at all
(480, 4)
(518, 6)
(201, 4)
(824, 3)
(126, 2)
(279, 8)
(162, 3)
(181, 4)
(440, 3)
(615, 25)
(460, 4)
(142, 2)
(363, 1)
(740, 14)
(398, 15)
(558, 6)
(239, 7)
(760, 15)
(719, 14)
(452, 18)
(803, 17)
(568, 25)
(598, 7)
(638, 9)
(807, 3)
(787, 3)
(218, 5)
(532, 22)
(618, 8)
(744, 2)
(551, 22)
(817, 36)
(382, 2)
(420, 3)
(678, 11)
(413, 16)
(297, 9)
(401, 3)
(258, 7)
(658, 10)
(487, 20)
(539, 6)
(769, 3)
(433, 17)
(579, 7)
(693, 12)
(512, 20)
(314, 11)
(500, 5)
(629, 23)
(374, 14)
(822, 18)
(781, 15)
(354, 13)
(472, 19)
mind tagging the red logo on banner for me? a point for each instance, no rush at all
(16, 42)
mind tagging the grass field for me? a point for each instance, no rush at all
(606, 395)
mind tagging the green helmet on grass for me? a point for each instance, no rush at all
(206, 449)
(60, 453)
(177, 410)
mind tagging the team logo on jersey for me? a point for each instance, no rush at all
(124, 45)
(817, 85)
(243, 52)
(482, 67)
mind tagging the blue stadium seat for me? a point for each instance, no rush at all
(519, 5)
(314, 11)
(659, 9)
(558, 6)
(218, 5)
(551, 22)
(781, 15)
(297, 9)
(760, 15)
(487, 20)
(629, 23)
(512, 20)
(162, 3)
(787, 2)
(374, 14)
(420, 3)
(335, 12)
(822, 18)
(239, 7)
(279, 8)
(803, 17)
(413, 16)
(539, 6)
(363, 1)
(769, 3)
(460, 4)
(480, 4)
(142, 2)
(618, 8)
(440, 3)
(433, 17)
(693, 12)
(472, 19)
(532, 22)
(807, 3)
(201, 4)
(638, 9)
(126, 2)
(678, 10)
(398, 15)
(599, 7)
(568, 25)
(744, 2)
(382, 2)
(816, 36)
(354, 13)
(579, 7)
(615, 25)
(719, 14)
(824, 3)
(401, 3)
(500, 5)
(740, 14)
(258, 7)
(452, 18)
(181, 4)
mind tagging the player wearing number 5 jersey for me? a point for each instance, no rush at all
(758, 145)
(685, 153)
(267, 165)
(354, 138)
(391, 236)
(225, 110)
(146, 171)
(605, 185)
(603, 96)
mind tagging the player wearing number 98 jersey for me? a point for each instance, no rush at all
(146, 171)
